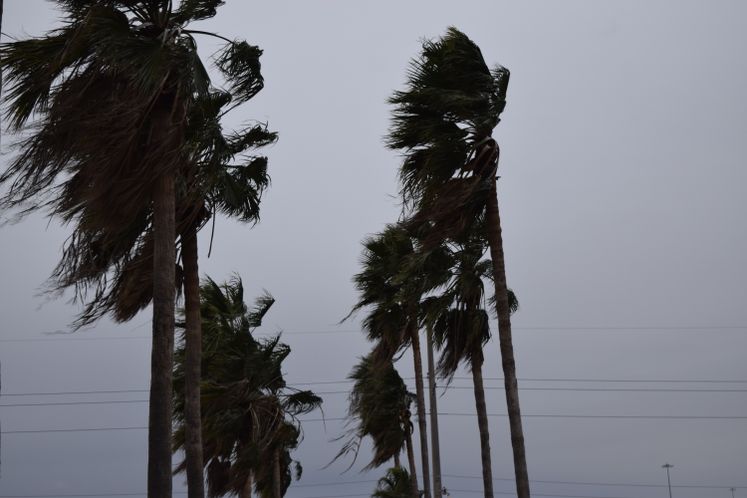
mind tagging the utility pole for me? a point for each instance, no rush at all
(669, 481)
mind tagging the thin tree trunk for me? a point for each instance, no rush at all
(506, 344)
(420, 393)
(397, 463)
(246, 491)
(192, 366)
(162, 354)
(436, 450)
(482, 425)
(276, 484)
(413, 466)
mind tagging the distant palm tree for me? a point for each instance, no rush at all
(461, 328)
(249, 415)
(443, 122)
(379, 408)
(110, 92)
(393, 485)
(391, 291)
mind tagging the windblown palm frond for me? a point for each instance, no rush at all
(248, 411)
(379, 408)
(451, 103)
(89, 93)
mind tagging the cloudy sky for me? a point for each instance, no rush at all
(622, 196)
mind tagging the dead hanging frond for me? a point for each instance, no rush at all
(378, 408)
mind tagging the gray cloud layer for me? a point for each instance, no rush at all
(622, 193)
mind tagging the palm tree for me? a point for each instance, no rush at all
(393, 299)
(110, 93)
(461, 329)
(379, 408)
(393, 485)
(443, 121)
(235, 190)
(213, 182)
(249, 415)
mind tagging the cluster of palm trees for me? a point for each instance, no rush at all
(121, 138)
(428, 271)
(249, 420)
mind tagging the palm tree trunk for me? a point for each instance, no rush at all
(420, 393)
(413, 466)
(246, 491)
(397, 463)
(482, 425)
(506, 344)
(436, 450)
(276, 485)
(192, 366)
(162, 354)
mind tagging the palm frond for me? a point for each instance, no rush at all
(239, 63)
(196, 10)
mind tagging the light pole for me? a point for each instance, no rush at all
(732, 492)
(669, 481)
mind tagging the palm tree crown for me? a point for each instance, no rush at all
(248, 411)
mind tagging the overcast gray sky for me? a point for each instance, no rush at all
(622, 196)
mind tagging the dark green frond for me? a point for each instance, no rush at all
(196, 10)
(248, 412)
(451, 103)
(239, 63)
(395, 484)
(261, 306)
(379, 408)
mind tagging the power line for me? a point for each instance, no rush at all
(71, 393)
(445, 414)
(561, 379)
(590, 483)
(580, 328)
(610, 416)
(454, 476)
(328, 393)
(529, 388)
(642, 381)
(74, 403)
(579, 389)
(82, 429)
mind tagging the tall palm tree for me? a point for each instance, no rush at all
(443, 121)
(379, 408)
(215, 180)
(212, 181)
(109, 93)
(461, 328)
(249, 415)
(392, 298)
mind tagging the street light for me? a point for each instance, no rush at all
(669, 481)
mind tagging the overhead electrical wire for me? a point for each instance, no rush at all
(579, 328)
